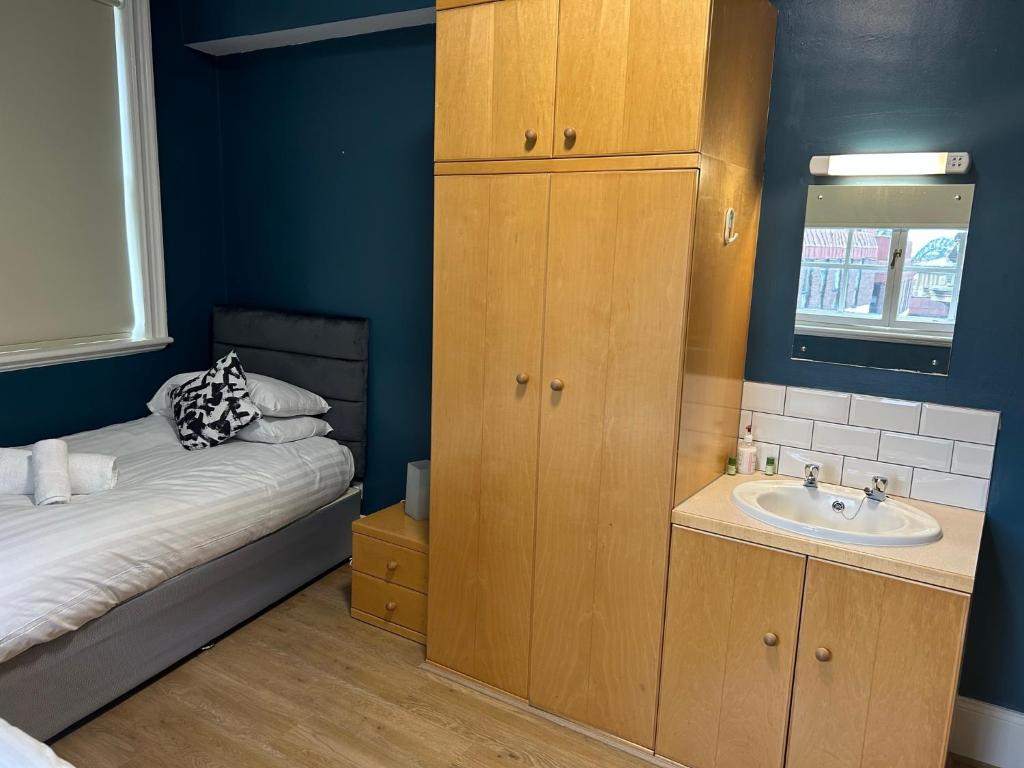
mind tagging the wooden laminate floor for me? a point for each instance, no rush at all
(306, 685)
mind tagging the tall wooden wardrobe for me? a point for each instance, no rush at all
(591, 299)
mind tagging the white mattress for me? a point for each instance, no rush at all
(64, 565)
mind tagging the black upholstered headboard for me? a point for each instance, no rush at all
(326, 355)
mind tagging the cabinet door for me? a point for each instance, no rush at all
(495, 80)
(619, 250)
(630, 75)
(876, 671)
(490, 253)
(730, 641)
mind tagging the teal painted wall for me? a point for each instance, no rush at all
(913, 75)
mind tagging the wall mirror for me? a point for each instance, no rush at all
(880, 275)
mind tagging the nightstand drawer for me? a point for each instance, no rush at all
(390, 562)
(390, 602)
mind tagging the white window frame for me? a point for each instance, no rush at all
(888, 327)
(142, 206)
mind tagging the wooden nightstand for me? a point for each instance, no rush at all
(389, 572)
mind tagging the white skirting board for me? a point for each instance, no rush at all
(988, 734)
(365, 25)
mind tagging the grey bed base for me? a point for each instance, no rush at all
(52, 686)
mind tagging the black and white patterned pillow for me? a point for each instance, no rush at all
(211, 408)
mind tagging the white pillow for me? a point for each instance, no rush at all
(272, 396)
(271, 430)
(19, 750)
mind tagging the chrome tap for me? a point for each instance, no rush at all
(811, 475)
(876, 491)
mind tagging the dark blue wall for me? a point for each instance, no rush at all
(46, 402)
(327, 152)
(878, 75)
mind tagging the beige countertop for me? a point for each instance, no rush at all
(949, 562)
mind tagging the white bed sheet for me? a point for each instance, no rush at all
(19, 750)
(64, 565)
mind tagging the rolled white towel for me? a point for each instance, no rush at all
(90, 472)
(51, 478)
(15, 471)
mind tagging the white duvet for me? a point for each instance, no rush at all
(64, 565)
(19, 750)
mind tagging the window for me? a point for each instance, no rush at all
(81, 247)
(878, 280)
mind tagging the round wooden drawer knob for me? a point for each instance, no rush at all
(570, 135)
(823, 654)
(531, 136)
(522, 378)
(557, 385)
(770, 639)
(392, 565)
(390, 605)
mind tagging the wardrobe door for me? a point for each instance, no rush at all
(490, 253)
(630, 75)
(619, 250)
(495, 87)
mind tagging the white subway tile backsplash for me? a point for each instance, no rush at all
(782, 430)
(848, 441)
(818, 404)
(885, 413)
(916, 451)
(792, 461)
(972, 459)
(965, 424)
(857, 473)
(766, 398)
(745, 417)
(954, 490)
(764, 450)
(930, 452)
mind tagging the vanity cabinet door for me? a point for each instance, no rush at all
(495, 93)
(730, 641)
(876, 672)
(489, 260)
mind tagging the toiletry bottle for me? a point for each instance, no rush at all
(746, 455)
(769, 465)
(730, 466)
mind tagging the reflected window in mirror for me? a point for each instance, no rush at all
(882, 265)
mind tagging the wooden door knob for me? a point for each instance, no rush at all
(522, 378)
(557, 385)
(390, 605)
(392, 565)
(823, 654)
(531, 136)
(570, 136)
(770, 639)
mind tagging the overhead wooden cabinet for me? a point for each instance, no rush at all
(629, 77)
(730, 643)
(495, 89)
(876, 671)
(490, 258)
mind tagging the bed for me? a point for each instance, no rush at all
(109, 591)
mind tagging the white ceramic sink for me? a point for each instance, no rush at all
(835, 514)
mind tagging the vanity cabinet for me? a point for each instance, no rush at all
(876, 672)
(869, 682)
(730, 644)
(532, 78)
